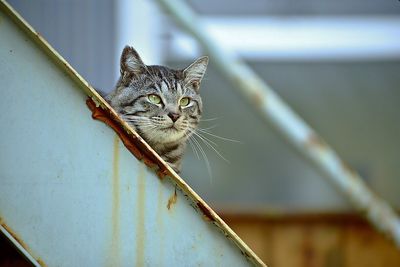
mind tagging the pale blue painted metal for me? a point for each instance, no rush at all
(72, 193)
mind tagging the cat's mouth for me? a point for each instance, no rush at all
(165, 133)
(172, 127)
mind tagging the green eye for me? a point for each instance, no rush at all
(155, 99)
(184, 101)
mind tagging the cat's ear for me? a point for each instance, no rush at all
(131, 61)
(195, 72)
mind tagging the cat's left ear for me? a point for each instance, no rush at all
(195, 72)
(131, 62)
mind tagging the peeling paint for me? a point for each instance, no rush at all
(172, 200)
(133, 143)
(162, 173)
(97, 103)
(205, 211)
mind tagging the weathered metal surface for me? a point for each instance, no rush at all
(275, 111)
(70, 190)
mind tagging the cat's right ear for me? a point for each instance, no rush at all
(195, 72)
(131, 62)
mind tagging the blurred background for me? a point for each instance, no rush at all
(336, 63)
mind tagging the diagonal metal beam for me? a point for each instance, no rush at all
(290, 125)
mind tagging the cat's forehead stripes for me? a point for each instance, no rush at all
(164, 86)
(166, 79)
(179, 88)
(170, 86)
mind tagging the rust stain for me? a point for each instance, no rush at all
(172, 200)
(316, 141)
(206, 212)
(258, 98)
(348, 169)
(19, 240)
(133, 143)
(14, 235)
(116, 207)
(140, 219)
(160, 223)
(162, 173)
(160, 202)
(41, 262)
(138, 147)
(256, 95)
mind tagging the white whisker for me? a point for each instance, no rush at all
(208, 166)
(217, 136)
(192, 146)
(207, 142)
(209, 128)
(210, 119)
(194, 131)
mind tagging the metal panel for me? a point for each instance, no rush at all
(71, 194)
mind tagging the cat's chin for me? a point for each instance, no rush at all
(167, 135)
(173, 135)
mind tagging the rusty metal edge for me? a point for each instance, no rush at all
(199, 204)
(19, 244)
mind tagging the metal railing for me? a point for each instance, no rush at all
(290, 125)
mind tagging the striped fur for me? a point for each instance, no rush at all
(155, 122)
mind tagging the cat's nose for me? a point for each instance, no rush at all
(174, 116)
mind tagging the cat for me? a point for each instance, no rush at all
(162, 105)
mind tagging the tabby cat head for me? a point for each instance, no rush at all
(163, 105)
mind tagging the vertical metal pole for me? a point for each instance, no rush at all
(139, 25)
(275, 111)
